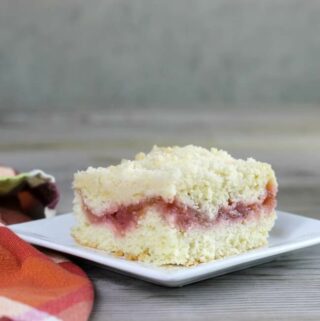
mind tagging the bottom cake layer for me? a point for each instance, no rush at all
(158, 243)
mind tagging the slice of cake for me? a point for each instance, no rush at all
(176, 205)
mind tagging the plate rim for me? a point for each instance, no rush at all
(177, 276)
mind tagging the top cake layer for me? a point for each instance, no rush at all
(202, 179)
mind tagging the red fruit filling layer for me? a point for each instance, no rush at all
(179, 215)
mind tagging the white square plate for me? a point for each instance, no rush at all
(291, 232)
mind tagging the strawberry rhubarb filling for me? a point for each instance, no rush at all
(124, 218)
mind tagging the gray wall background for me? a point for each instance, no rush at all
(103, 53)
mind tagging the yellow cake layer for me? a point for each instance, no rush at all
(154, 241)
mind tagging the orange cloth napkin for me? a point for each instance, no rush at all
(39, 287)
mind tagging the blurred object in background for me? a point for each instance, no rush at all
(26, 195)
(127, 53)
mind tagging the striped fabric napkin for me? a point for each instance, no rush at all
(36, 286)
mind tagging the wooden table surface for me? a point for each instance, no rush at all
(61, 142)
